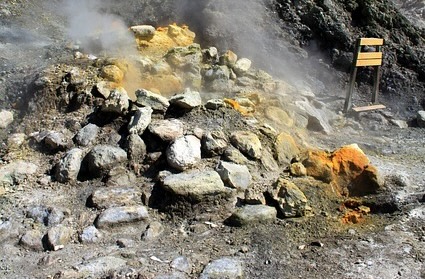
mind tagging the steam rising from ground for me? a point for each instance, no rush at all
(96, 30)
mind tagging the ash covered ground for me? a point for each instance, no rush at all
(138, 154)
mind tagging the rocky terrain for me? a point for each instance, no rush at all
(139, 148)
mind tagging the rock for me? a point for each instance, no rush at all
(16, 140)
(69, 166)
(103, 157)
(214, 143)
(173, 275)
(291, 200)
(184, 152)
(167, 129)
(242, 66)
(247, 142)
(111, 197)
(140, 120)
(317, 118)
(153, 231)
(48, 216)
(120, 177)
(87, 135)
(420, 118)
(58, 236)
(52, 140)
(146, 98)
(187, 100)
(162, 68)
(399, 123)
(90, 235)
(112, 73)
(234, 155)
(194, 184)
(32, 240)
(117, 102)
(228, 268)
(268, 161)
(278, 116)
(286, 148)
(115, 216)
(181, 264)
(220, 73)
(215, 104)
(94, 268)
(298, 169)
(6, 118)
(7, 229)
(144, 31)
(104, 88)
(136, 148)
(347, 169)
(236, 176)
(250, 214)
(16, 172)
(229, 59)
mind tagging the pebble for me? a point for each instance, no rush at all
(6, 118)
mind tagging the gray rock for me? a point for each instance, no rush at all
(248, 143)
(32, 239)
(399, 123)
(268, 161)
(6, 118)
(87, 135)
(90, 235)
(58, 237)
(235, 176)
(94, 268)
(214, 143)
(218, 73)
(140, 120)
(215, 104)
(228, 268)
(16, 173)
(173, 275)
(153, 231)
(234, 155)
(157, 102)
(55, 141)
(121, 215)
(104, 88)
(249, 214)
(242, 66)
(7, 229)
(143, 30)
(184, 152)
(112, 197)
(103, 157)
(317, 118)
(69, 166)
(195, 184)
(136, 148)
(181, 264)
(291, 200)
(187, 100)
(55, 216)
(420, 118)
(117, 102)
(168, 129)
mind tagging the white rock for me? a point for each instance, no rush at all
(420, 118)
(187, 100)
(90, 235)
(16, 172)
(6, 118)
(143, 30)
(117, 102)
(114, 216)
(167, 129)
(184, 152)
(228, 268)
(249, 214)
(242, 66)
(87, 135)
(236, 176)
(69, 166)
(140, 120)
(147, 98)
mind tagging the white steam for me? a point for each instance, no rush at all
(96, 30)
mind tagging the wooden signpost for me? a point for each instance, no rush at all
(364, 58)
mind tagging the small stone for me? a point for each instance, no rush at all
(236, 176)
(184, 152)
(103, 157)
(32, 240)
(286, 148)
(55, 141)
(16, 172)
(229, 58)
(143, 31)
(58, 237)
(120, 177)
(298, 169)
(117, 102)
(234, 155)
(121, 215)
(228, 268)
(94, 268)
(126, 243)
(140, 120)
(248, 143)
(104, 88)
(6, 118)
(87, 135)
(291, 200)
(153, 231)
(215, 104)
(112, 197)
(90, 235)
(136, 148)
(249, 214)
(112, 73)
(157, 102)
(168, 129)
(181, 264)
(214, 143)
(242, 66)
(69, 166)
(187, 100)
